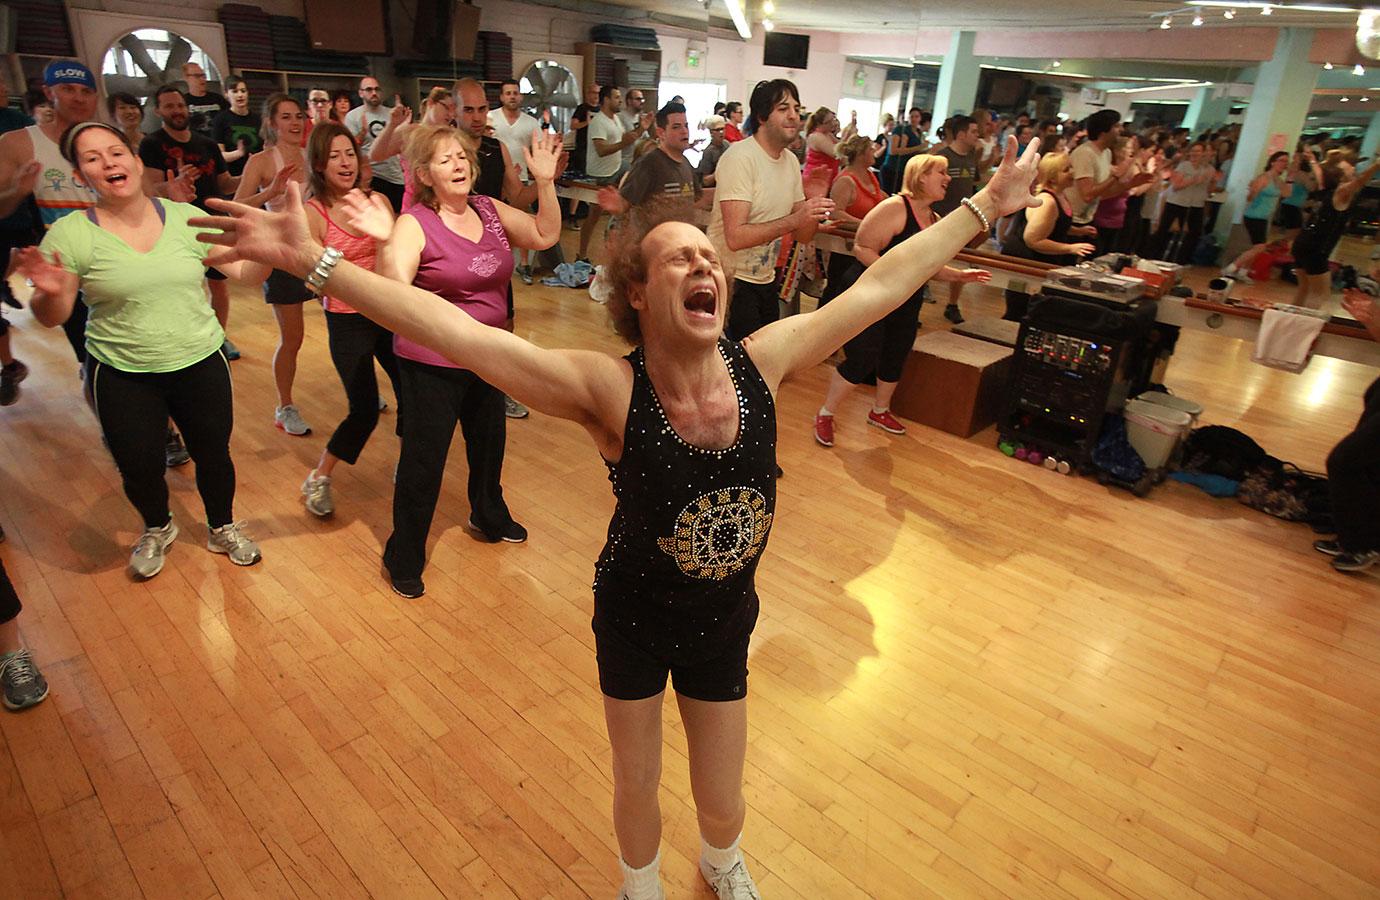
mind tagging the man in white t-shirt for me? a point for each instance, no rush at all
(759, 198)
(631, 113)
(366, 122)
(604, 157)
(511, 125)
(1093, 177)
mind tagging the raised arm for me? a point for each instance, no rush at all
(525, 230)
(801, 341)
(255, 174)
(390, 140)
(1348, 188)
(55, 288)
(583, 386)
(18, 170)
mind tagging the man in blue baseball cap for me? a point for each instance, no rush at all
(31, 163)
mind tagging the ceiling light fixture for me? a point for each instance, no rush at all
(1167, 23)
(1345, 99)
(1229, 14)
(1327, 66)
(1266, 10)
(768, 7)
(1359, 70)
(740, 22)
(1197, 21)
(1287, 7)
(768, 24)
(1056, 64)
(1365, 99)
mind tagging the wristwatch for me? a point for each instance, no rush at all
(316, 279)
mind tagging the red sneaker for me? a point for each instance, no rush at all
(886, 421)
(824, 430)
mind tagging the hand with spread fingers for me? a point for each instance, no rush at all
(280, 239)
(544, 156)
(48, 277)
(365, 216)
(1009, 189)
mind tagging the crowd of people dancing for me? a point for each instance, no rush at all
(410, 229)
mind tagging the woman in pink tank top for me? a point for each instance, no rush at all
(457, 245)
(335, 169)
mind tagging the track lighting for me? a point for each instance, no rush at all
(1167, 23)
(1197, 21)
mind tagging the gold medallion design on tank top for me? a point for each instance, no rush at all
(719, 533)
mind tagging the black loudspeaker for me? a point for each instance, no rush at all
(347, 26)
(445, 29)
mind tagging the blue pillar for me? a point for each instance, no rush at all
(1371, 142)
(958, 78)
(1274, 118)
(1209, 108)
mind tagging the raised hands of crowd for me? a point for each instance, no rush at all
(46, 276)
(278, 186)
(1009, 187)
(400, 114)
(365, 216)
(280, 239)
(181, 184)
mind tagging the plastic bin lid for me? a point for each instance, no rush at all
(1146, 423)
(1162, 399)
(1158, 412)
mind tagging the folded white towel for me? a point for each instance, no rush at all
(1286, 340)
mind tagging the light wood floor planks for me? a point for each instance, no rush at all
(971, 678)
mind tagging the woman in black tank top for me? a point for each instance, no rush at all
(1046, 232)
(1312, 249)
(877, 354)
(687, 426)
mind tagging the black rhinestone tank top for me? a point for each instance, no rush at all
(691, 523)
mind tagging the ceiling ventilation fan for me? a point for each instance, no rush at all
(144, 60)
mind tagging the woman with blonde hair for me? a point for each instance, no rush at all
(456, 244)
(1043, 232)
(266, 175)
(880, 350)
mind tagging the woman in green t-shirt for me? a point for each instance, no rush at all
(152, 340)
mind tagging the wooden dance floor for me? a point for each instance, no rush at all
(972, 677)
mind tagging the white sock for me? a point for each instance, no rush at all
(878, 410)
(825, 411)
(643, 883)
(721, 860)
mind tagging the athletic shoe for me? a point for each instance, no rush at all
(234, 543)
(660, 893)
(1241, 277)
(885, 421)
(952, 314)
(511, 532)
(10, 376)
(824, 431)
(151, 549)
(175, 452)
(291, 421)
(1355, 562)
(730, 884)
(23, 684)
(513, 409)
(407, 588)
(317, 491)
(231, 352)
(583, 259)
(1331, 548)
(525, 273)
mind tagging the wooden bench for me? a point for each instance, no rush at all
(991, 329)
(954, 383)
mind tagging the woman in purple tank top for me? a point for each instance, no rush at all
(457, 245)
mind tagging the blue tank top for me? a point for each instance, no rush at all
(1298, 196)
(1263, 206)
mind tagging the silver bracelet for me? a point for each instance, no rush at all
(973, 208)
(316, 280)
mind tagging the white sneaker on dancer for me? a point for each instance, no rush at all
(733, 883)
(316, 491)
(151, 549)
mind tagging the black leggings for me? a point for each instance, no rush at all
(880, 351)
(9, 599)
(1192, 219)
(1353, 478)
(752, 306)
(434, 398)
(356, 341)
(133, 409)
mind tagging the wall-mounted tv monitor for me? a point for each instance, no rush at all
(788, 51)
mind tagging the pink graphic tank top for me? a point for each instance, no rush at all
(358, 249)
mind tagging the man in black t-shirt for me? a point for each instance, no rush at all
(202, 105)
(175, 159)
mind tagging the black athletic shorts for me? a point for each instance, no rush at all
(1258, 229)
(283, 289)
(1290, 216)
(214, 274)
(628, 671)
(1310, 257)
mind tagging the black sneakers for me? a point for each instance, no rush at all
(10, 376)
(511, 532)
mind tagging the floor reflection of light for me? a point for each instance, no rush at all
(1324, 374)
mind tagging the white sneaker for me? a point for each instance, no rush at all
(733, 883)
(234, 543)
(317, 491)
(150, 550)
(291, 421)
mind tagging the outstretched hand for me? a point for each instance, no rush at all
(281, 179)
(278, 239)
(365, 216)
(970, 276)
(48, 277)
(1361, 306)
(1009, 189)
(543, 156)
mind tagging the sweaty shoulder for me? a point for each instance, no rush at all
(16, 146)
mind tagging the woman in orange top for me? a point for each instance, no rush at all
(854, 193)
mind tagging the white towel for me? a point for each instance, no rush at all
(1286, 340)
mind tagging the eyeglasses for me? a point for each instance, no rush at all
(322, 101)
(370, 90)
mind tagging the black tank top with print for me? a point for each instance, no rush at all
(677, 571)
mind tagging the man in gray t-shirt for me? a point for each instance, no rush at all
(366, 122)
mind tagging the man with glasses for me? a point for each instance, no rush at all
(630, 116)
(202, 105)
(366, 122)
(318, 111)
(718, 143)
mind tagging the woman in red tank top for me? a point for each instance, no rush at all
(854, 193)
(821, 143)
(335, 169)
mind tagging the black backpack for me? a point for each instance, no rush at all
(1285, 491)
(1219, 450)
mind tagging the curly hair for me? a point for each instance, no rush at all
(420, 146)
(854, 147)
(628, 265)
